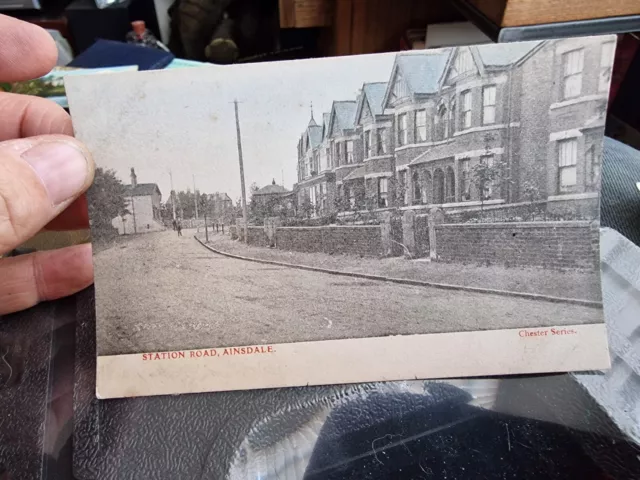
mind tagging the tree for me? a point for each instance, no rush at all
(531, 194)
(106, 201)
(186, 204)
(489, 173)
(306, 208)
(204, 205)
(237, 209)
(341, 203)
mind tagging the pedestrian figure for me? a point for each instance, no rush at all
(217, 227)
(179, 228)
(175, 225)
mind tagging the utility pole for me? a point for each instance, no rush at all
(195, 194)
(244, 193)
(133, 213)
(173, 199)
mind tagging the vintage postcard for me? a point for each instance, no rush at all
(424, 214)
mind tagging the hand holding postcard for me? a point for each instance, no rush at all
(424, 214)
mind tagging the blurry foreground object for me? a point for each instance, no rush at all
(140, 35)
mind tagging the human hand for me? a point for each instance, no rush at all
(43, 173)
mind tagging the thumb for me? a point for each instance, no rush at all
(39, 178)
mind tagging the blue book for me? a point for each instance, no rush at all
(109, 53)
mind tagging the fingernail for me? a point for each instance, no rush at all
(62, 168)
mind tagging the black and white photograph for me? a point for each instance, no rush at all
(394, 216)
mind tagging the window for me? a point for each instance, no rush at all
(464, 62)
(417, 191)
(606, 57)
(404, 188)
(323, 196)
(329, 158)
(567, 160)
(399, 89)
(312, 196)
(466, 109)
(450, 186)
(593, 164)
(382, 193)
(349, 147)
(421, 125)
(367, 144)
(381, 142)
(452, 115)
(465, 179)
(338, 147)
(402, 129)
(488, 185)
(572, 81)
(441, 124)
(489, 105)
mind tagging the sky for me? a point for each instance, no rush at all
(183, 120)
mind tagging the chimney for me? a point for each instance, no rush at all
(134, 178)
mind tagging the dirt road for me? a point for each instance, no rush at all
(158, 292)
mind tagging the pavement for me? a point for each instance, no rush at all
(572, 284)
(158, 292)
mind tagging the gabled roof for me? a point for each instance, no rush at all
(326, 118)
(315, 135)
(500, 55)
(372, 95)
(375, 94)
(343, 115)
(141, 190)
(272, 189)
(424, 72)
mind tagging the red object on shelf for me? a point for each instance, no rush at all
(139, 27)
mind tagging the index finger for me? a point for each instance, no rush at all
(27, 51)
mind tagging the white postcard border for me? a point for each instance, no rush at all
(355, 360)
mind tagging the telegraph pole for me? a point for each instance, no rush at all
(133, 213)
(173, 199)
(195, 194)
(244, 193)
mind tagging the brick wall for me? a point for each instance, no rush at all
(557, 245)
(354, 240)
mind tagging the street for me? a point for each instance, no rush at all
(158, 292)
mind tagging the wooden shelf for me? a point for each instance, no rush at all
(485, 21)
(372, 26)
(306, 13)
(517, 13)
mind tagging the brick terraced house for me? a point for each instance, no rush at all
(416, 140)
